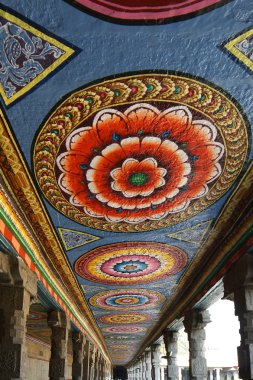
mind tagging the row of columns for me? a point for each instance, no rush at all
(194, 323)
(238, 286)
(18, 289)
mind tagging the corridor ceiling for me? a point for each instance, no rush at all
(126, 156)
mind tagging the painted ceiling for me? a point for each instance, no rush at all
(127, 150)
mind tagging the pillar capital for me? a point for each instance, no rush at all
(58, 318)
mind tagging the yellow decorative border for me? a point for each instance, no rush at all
(204, 99)
(94, 238)
(67, 53)
(230, 46)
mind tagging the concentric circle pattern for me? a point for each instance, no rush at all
(130, 263)
(128, 299)
(126, 318)
(124, 329)
(141, 152)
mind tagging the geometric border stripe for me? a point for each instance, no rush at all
(69, 51)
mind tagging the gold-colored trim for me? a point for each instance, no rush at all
(67, 53)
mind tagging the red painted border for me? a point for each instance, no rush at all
(146, 10)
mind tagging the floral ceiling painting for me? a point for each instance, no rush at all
(130, 164)
(133, 154)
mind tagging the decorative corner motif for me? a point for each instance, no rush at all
(241, 47)
(194, 234)
(72, 239)
(27, 55)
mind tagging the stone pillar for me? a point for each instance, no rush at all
(92, 366)
(86, 360)
(194, 323)
(238, 285)
(148, 364)
(18, 285)
(171, 346)
(60, 326)
(217, 374)
(78, 353)
(143, 366)
(155, 360)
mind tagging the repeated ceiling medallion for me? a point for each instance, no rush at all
(124, 329)
(126, 318)
(241, 47)
(127, 299)
(145, 10)
(131, 263)
(140, 152)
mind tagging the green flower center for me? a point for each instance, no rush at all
(138, 179)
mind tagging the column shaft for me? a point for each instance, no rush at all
(17, 285)
(60, 325)
(171, 346)
(78, 352)
(238, 284)
(195, 322)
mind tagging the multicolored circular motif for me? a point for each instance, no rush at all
(126, 318)
(137, 10)
(130, 263)
(128, 299)
(124, 329)
(141, 152)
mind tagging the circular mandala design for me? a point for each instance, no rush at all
(128, 299)
(141, 152)
(124, 329)
(126, 318)
(131, 263)
(139, 10)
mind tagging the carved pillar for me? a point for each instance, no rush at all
(97, 360)
(194, 323)
(60, 326)
(238, 284)
(155, 360)
(217, 374)
(78, 353)
(92, 362)
(148, 364)
(143, 367)
(17, 286)
(86, 361)
(171, 346)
